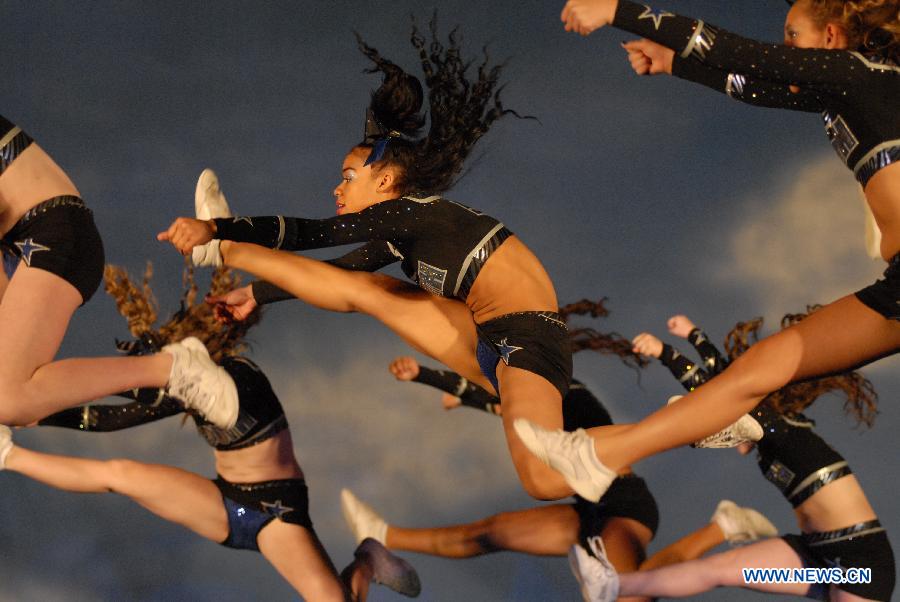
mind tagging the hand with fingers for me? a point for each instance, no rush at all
(404, 368)
(586, 16)
(647, 344)
(233, 306)
(649, 58)
(680, 325)
(185, 233)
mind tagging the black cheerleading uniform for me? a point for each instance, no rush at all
(442, 246)
(57, 235)
(628, 497)
(800, 463)
(249, 506)
(855, 93)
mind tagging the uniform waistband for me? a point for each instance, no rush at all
(819, 538)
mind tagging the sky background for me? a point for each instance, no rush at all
(661, 195)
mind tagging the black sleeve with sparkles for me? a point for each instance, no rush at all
(108, 418)
(713, 361)
(749, 91)
(832, 70)
(369, 257)
(688, 373)
(470, 394)
(387, 220)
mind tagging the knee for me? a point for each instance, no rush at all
(118, 471)
(539, 485)
(14, 403)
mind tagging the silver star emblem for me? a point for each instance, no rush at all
(277, 509)
(657, 17)
(506, 350)
(27, 247)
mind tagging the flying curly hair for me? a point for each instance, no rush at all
(606, 343)
(139, 307)
(461, 110)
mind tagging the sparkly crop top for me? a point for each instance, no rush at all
(856, 94)
(261, 416)
(581, 409)
(12, 142)
(442, 244)
(790, 454)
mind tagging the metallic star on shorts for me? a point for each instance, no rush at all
(27, 247)
(505, 350)
(657, 17)
(277, 509)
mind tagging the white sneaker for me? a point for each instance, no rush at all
(745, 430)
(362, 520)
(570, 454)
(209, 203)
(740, 524)
(387, 569)
(596, 576)
(202, 385)
(6, 444)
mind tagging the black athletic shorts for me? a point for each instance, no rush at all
(537, 341)
(59, 236)
(252, 506)
(864, 545)
(884, 295)
(627, 497)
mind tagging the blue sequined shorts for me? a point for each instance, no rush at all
(252, 506)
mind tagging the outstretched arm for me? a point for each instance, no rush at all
(687, 372)
(469, 394)
(108, 418)
(650, 58)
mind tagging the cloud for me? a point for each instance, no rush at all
(803, 245)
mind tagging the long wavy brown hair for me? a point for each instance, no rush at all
(138, 305)
(607, 343)
(861, 400)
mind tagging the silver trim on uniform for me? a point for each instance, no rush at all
(471, 256)
(701, 41)
(734, 85)
(871, 154)
(873, 65)
(427, 199)
(461, 387)
(281, 229)
(816, 476)
(7, 138)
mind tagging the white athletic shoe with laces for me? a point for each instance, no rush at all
(570, 454)
(387, 569)
(209, 203)
(202, 385)
(745, 430)
(362, 520)
(6, 444)
(596, 576)
(741, 524)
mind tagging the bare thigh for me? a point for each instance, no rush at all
(626, 541)
(299, 557)
(174, 494)
(34, 314)
(546, 530)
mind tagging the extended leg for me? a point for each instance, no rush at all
(839, 336)
(34, 314)
(176, 495)
(719, 570)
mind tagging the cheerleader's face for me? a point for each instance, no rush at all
(801, 30)
(361, 186)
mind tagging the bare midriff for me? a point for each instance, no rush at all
(267, 461)
(837, 505)
(32, 178)
(883, 195)
(512, 280)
